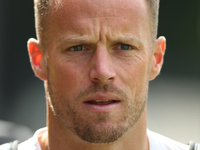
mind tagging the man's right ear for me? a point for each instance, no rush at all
(37, 59)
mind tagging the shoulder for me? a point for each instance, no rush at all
(32, 143)
(160, 142)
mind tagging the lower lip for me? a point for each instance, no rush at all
(101, 108)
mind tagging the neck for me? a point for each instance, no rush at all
(59, 137)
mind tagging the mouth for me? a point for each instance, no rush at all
(102, 102)
(101, 106)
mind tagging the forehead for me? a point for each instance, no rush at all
(98, 8)
(89, 15)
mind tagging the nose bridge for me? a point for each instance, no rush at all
(103, 66)
(102, 59)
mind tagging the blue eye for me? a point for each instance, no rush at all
(125, 46)
(77, 48)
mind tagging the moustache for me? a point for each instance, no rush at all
(108, 88)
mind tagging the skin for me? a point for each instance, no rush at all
(104, 69)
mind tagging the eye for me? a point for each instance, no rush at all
(77, 48)
(125, 47)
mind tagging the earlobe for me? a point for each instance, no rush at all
(36, 59)
(157, 57)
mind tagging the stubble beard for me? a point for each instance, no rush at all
(97, 128)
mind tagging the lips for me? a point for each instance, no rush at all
(101, 102)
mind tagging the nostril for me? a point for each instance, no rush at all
(103, 80)
(111, 78)
(102, 76)
(96, 79)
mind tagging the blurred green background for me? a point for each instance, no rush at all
(174, 99)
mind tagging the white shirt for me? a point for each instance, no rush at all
(32, 143)
(159, 142)
(156, 142)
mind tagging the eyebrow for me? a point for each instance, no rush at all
(84, 39)
(130, 39)
(80, 39)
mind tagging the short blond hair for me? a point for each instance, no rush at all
(41, 8)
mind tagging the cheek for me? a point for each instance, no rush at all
(133, 73)
(134, 69)
(66, 77)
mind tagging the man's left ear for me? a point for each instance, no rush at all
(158, 57)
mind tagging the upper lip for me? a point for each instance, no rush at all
(102, 96)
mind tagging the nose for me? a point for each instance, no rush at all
(102, 70)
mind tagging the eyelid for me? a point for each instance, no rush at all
(131, 46)
(70, 48)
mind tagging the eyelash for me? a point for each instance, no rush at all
(127, 46)
(77, 46)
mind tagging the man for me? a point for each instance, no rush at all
(96, 59)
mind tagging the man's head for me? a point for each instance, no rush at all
(96, 65)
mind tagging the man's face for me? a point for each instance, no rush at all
(98, 57)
